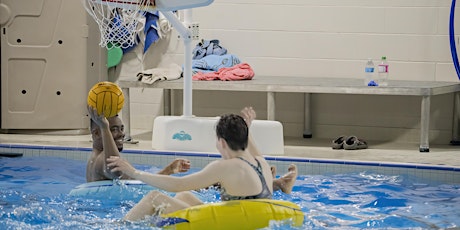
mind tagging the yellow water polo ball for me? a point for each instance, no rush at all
(107, 98)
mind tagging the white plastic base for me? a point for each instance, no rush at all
(176, 133)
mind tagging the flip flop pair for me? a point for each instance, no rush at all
(349, 143)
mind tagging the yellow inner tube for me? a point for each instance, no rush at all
(237, 214)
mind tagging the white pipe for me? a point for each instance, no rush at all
(178, 25)
(187, 37)
(188, 16)
(187, 98)
(188, 92)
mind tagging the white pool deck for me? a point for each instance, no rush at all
(447, 155)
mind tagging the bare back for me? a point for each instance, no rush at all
(240, 179)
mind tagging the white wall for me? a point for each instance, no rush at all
(321, 38)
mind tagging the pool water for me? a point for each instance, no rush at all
(34, 195)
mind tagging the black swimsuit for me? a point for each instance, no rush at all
(264, 194)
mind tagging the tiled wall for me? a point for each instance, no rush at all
(321, 38)
(425, 173)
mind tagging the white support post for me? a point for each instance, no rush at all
(186, 36)
(425, 124)
(456, 120)
(271, 106)
(307, 132)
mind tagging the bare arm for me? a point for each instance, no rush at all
(204, 178)
(177, 166)
(109, 146)
(249, 115)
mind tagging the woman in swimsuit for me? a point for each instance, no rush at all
(242, 172)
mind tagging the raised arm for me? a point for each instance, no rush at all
(249, 115)
(109, 148)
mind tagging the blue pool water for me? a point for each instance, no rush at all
(34, 195)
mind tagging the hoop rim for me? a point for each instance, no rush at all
(133, 2)
(128, 4)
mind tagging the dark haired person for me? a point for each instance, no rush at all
(242, 172)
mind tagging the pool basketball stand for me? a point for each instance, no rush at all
(175, 133)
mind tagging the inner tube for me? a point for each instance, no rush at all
(113, 190)
(235, 214)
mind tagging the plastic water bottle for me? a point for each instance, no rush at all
(369, 76)
(383, 72)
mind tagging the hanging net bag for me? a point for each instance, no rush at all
(118, 20)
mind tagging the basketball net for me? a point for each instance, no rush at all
(118, 20)
(122, 33)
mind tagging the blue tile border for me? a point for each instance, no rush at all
(270, 158)
(44, 147)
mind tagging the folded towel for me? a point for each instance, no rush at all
(208, 47)
(213, 62)
(151, 76)
(241, 71)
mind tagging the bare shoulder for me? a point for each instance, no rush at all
(261, 159)
(221, 165)
(211, 166)
(217, 164)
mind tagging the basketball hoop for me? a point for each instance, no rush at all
(118, 20)
(118, 23)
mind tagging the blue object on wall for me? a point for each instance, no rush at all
(150, 31)
(453, 48)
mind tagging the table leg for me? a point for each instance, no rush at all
(456, 120)
(167, 102)
(125, 115)
(425, 124)
(307, 133)
(271, 106)
(172, 96)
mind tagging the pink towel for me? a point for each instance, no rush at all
(242, 71)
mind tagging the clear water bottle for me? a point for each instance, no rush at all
(383, 72)
(369, 76)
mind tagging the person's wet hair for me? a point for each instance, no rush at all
(234, 130)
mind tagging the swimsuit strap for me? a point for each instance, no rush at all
(265, 190)
(265, 193)
(258, 168)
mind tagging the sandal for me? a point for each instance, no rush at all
(353, 143)
(338, 142)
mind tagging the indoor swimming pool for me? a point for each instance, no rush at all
(35, 195)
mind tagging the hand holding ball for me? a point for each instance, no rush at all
(107, 98)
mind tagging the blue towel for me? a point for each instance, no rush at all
(213, 63)
(151, 34)
(208, 47)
